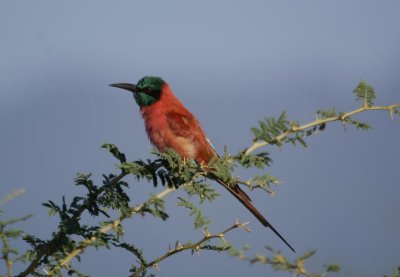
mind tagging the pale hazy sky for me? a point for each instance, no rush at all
(232, 63)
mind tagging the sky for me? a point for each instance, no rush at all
(232, 63)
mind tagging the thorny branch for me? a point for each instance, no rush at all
(294, 129)
(341, 117)
(190, 246)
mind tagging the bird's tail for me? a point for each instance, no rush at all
(246, 201)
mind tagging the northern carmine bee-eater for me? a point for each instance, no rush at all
(170, 125)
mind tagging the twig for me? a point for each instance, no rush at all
(341, 117)
(4, 237)
(12, 195)
(6, 257)
(188, 246)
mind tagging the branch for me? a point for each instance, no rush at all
(10, 233)
(318, 122)
(264, 183)
(12, 195)
(279, 262)
(105, 229)
(5, 256)
(189, 246)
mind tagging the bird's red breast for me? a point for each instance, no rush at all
(170, 125)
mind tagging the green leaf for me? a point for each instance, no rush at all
(200, 220)
(259, 160)
(365, 93)
(307, 255)
(157, 208)
(327, 113)
(202, 190)
(300, 140)
(133, 249)
(271, 128)
(114, 151)
(114, 197)
(217, 248)
(358, 124)
(265, 182)
(51, 212)
(332, 268)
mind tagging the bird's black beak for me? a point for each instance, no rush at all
(126, 86)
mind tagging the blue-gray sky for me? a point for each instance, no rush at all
(232, 63)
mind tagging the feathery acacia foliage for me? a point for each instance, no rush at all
(284, 130)
(365, 93)
(109, 204)
(9, 254)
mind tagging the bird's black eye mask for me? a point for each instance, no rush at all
(146, 97)
(147, 90)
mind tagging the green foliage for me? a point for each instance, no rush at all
(169, 169)
(140, 169)
(9, 254)
(176, 171)
(199, 220)
(358, 124)
(132, 249)
(332, 268)
(113, 196)
(282, 130)
(259, 160)
(327, 113)
(365, 93)
(156, 207)
(271, 128)
(115, 152)
(202, 190)
(279, 262)
(264, 182)
(218, 248)
(222, 168)
(99, 200)
(277, 131)
(108, 199)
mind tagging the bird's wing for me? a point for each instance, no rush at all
(180, 124)
(186, 126)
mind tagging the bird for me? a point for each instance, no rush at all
(169, 124)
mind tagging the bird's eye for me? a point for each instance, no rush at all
(147, 90)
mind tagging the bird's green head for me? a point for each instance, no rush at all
(146, 92)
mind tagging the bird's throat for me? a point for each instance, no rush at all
(143, 99)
